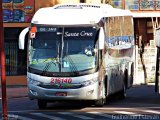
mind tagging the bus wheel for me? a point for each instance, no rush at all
(42, 104)
(100, 102)
(122, 93)
(132, 73)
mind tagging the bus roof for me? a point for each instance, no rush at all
(76, 14)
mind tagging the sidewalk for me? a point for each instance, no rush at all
(16, 91)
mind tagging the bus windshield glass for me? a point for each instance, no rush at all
(62, 49)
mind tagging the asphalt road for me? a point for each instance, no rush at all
(141, 103)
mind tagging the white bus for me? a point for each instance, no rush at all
(79, 52)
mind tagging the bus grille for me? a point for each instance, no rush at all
(62, 86)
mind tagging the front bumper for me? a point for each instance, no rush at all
(85, 93)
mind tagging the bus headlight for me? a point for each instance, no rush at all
(89, 82)
(34, 82)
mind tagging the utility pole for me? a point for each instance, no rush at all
(2, 68)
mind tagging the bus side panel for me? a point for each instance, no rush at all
(120, 48)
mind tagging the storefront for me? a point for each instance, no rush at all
(16, 16)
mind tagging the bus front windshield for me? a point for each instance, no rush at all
(69, 50)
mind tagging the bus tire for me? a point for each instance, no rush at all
(122, 93)
(42, 104)
(132, 74)
(100, 102)
(106, 86)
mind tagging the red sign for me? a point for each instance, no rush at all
(60, 80)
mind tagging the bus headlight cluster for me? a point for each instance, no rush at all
(34, 82)
(89, 82)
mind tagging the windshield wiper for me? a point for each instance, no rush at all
(54, 61)
(48, 65)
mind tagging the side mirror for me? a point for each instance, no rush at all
(157, 37)
(101, 38)
(22, 38)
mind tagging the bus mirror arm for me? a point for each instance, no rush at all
(101, 38)
(22, 38)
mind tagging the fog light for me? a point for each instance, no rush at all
(33, 92)
(90, 92)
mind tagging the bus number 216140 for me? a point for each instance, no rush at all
(60, 80)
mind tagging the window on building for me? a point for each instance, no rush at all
(117, 3)
(157, 4)
(16, 63)
(142, 4)
(18, 10)
(147, 4)
(132, 4)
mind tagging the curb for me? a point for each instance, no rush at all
(16, 91)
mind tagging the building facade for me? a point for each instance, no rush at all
(146, 16)
(146, 19)
(17, 15)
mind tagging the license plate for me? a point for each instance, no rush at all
(61, 93)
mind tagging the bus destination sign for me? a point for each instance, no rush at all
(46, 29)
